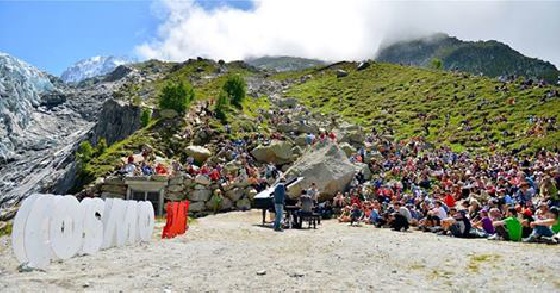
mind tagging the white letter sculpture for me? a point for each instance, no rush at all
(49, 227)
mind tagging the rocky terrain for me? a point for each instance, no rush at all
(43, 122)
(232, 252)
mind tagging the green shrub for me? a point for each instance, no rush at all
(146, 117)
(220, 107)
(235, 89)
(101, 146)
(176, 96)
(85, 151)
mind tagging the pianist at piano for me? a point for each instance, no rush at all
(265, 199)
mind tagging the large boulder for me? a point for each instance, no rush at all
(365, 170)
(176, 188)
(277, 152)
(176, 180)
(199, 153)
(168, 113)
(328, 167)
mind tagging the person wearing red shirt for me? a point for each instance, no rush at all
(449, 200)
(160, 170)
(215, 175)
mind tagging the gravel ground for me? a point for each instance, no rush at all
(225, 253)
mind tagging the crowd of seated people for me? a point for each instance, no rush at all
(465, 195)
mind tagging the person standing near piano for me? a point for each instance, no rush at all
(313, 192)
(279, 196)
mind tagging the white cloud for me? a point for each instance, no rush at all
(345, 29)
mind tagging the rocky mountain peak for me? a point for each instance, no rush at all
(92, 67)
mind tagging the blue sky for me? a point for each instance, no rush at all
(55, 34)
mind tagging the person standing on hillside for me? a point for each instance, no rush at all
(279, 196)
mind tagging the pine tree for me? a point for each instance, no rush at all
(235, 89)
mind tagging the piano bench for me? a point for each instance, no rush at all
(311, 219)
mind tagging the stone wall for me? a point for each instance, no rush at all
(199, 190)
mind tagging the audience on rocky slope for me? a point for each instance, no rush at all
(496, 195)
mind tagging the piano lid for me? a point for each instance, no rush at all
(270, 191)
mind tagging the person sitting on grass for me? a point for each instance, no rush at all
(508, 229)
(547, 227)
(345, 215)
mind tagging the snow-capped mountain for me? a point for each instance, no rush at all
(95, 66)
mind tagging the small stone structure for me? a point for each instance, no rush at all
(200, 191)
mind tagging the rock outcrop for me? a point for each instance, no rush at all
(327, 166)
(199, 153)
(277, 152)
(116, 122)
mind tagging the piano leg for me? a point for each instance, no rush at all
(264, 214)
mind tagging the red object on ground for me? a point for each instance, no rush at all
(170, 208)
(176, 219)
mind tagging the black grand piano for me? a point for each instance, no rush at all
(265, 199)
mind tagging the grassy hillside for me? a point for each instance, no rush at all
(492, 58)
(394, 96)
(165, 137)
(382, 96)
